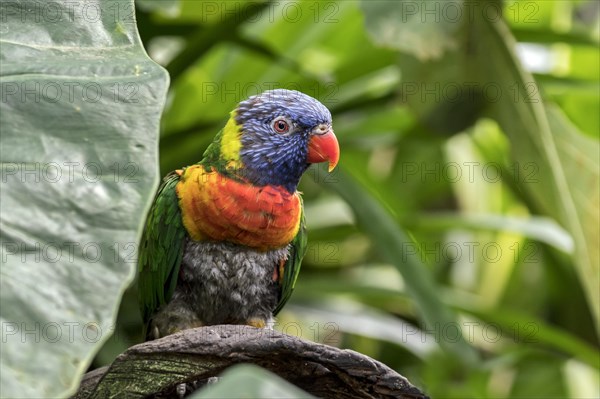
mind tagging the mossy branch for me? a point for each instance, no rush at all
(154, 369)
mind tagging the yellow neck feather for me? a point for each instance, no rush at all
(231, 140)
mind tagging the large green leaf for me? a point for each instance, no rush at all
(80, 108)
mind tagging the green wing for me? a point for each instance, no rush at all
(161, 249)
(292, 265)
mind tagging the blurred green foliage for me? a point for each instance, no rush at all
(458, 240)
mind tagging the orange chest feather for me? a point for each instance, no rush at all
(219, 208)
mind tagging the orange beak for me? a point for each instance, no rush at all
(324, 147)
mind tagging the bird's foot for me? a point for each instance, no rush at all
(256, 322)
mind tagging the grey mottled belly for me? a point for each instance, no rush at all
(224, 283)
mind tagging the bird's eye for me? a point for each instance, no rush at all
(281, 125)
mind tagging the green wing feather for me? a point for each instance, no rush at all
(161, 249)
(292, 265)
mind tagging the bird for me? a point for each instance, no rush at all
(224, 238)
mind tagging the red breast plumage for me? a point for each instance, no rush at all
(219, 208)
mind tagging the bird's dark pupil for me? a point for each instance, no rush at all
(281, 125)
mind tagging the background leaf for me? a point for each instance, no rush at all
(402, 25)
(569, 169)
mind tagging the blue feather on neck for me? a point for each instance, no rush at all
(276, 163)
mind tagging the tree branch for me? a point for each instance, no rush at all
(157, 367)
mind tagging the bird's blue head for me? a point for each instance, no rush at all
(274, 136)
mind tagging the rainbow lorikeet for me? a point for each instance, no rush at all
(225, 237)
